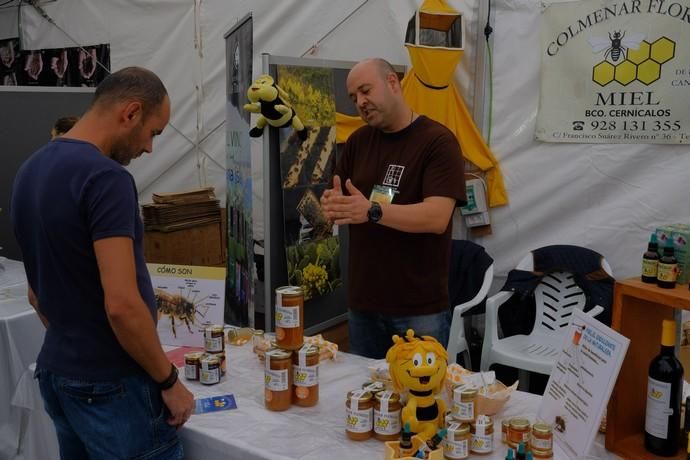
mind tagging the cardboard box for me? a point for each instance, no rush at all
(203, 245)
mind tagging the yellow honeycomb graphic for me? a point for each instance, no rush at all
(643, 64)
(648, 72)
(626, 72)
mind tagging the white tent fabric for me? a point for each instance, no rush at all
(606, 197)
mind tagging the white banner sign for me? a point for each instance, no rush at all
(615, 72)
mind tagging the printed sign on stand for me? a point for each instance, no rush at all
(188, 298)
(580, 384)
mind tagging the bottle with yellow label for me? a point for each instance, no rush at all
(664, 393)
(667, 273)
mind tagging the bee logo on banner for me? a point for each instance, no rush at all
(615, 72)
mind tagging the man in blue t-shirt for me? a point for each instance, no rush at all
(103, 375)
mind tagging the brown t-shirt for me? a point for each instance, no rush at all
(393, 272)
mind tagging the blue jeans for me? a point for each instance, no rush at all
(371, 334)
(119, 419)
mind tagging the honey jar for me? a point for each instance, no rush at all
(457, 443)
(542, 437)
(278, 379)
(518, 432)
(387, 416)
(464, 404)
(373, 386)
(289, 317)
(214, 339)
(192, 363)
(482, 430)
(359, 407)
(209, 371)
(257, 339)
(505, 428)
(305, 376)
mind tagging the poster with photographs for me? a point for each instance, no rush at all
(313, 251)
(239, 309)
(78, 66)
(188, 298)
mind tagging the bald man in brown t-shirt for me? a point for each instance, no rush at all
(403, 176)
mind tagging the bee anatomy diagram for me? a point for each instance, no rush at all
(179, 308)
(616, 45)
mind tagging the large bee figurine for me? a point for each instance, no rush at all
(271, 102)
(176, 307)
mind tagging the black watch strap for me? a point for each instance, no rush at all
(170, 381)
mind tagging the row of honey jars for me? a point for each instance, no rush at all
(207, 368)
(289, 317)
(374, 414)
(291, 377)
(539, 436)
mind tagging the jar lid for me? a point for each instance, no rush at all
(359, 395)
(392, 396)
(482, 420)
(542, 453)
(471, 392)
(373, 386)
(541, 428)
(309, 349)
(278, 353)
(215, 328)
(459, 428)
(211, 359)
(505, 422)
(289, 290)
(519, 423)
(194, 355)
(258, 332)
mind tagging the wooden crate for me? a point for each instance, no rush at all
(638, 309)
(203, 245)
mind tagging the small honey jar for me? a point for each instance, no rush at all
(192, 363)
(542, 437)
(457, 443)
(518, 432)
(209, 371)
(539, 454)
(214, 339)
(359, 409)
(505, 428)
(289, 317)
(464, 404)
(305, 376)
(482, 430)
(387, 416)
(278, 379)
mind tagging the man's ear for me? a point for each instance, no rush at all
(133, 111)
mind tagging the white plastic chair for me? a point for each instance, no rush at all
(457, 343)
(556, 296)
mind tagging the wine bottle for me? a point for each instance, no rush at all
(664, 392)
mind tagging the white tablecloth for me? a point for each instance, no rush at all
(21, 336)
(251, 432)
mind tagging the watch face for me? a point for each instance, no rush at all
(374, 212)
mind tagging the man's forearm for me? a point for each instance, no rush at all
(424, 217)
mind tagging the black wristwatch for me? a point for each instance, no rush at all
(170, 381)
(375, 213)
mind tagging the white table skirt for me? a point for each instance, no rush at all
(251, 432)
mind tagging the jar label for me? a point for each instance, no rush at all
(190, 371)
(659, 409)
(276, 380)
(456, 450)
(541, 443)
(359, 421)
(287, 316)
(209, 375)
(482, 443)
(649, 267)
(306, 376)
(387, 422)
(463, 410)
(667, 272)
(213, 344)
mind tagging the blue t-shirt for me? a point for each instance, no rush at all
(66, 196)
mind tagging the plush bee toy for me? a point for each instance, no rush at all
(418, 364)
(269, 100)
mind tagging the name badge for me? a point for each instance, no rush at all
(382, 194)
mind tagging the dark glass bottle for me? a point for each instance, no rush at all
(664, 393)
(650, 261)
(667, 273)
